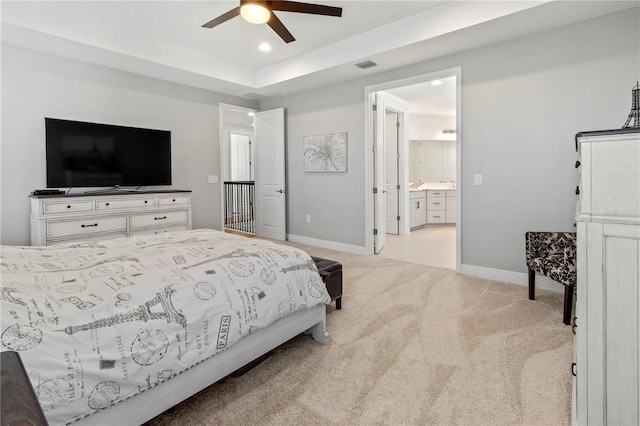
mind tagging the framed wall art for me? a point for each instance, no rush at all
(326, 153)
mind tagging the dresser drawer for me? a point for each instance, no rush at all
(436, 193)
(51, 207)
(436, 216)
(90, 225)
(89, 237)
(158, 218)
(436, 203)
(151, 231)
(124, 203)
(167, 200)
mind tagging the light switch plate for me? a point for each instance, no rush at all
(212, 179)
(477, 179)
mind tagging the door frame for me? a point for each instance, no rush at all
(369, 120)
(225, 153)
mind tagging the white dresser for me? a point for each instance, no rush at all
(70, 218)
(607, 382)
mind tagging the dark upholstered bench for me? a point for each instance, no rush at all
(331, 273)
(20, 405)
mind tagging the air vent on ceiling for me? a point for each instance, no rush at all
(366, 64)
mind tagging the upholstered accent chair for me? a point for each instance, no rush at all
(553, 254)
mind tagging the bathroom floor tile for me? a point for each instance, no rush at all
(433, 246)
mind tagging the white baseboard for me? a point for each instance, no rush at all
(510, 277)
(519, 278)
(347, 248)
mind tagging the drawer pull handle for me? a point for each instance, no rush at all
(106, 204)
(159, 218)
(577, 164)
(436, 216)
(174, 200)
(88, 226)
(573, 369)
(68, 207)
(577, 190)
(146, 201)
(435, 204)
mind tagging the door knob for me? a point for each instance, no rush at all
(280, 191)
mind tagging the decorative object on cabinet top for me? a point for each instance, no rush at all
(635, 109)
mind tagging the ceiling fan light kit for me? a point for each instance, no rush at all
(255, 13)
(260, 12)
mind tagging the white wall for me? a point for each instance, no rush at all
(430, 127)
(523, 101)
(335, 201)
(36, 85)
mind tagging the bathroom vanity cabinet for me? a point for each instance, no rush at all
(417, 209)
(432, 207)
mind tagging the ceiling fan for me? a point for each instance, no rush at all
(260, 12)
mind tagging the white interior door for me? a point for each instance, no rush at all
(386, 102)
(379, 178)
(270, 172)
(391, 163)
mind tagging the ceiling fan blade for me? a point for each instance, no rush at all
(223, 18)
(277, 26)
(315, 9)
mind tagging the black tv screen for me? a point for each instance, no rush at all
(81, 154)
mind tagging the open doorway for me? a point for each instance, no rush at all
(237, 169)
(252, 146)
(430, 155)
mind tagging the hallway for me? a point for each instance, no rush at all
(433, 246)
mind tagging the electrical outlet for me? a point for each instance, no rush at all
(477, 179)
(308, 218)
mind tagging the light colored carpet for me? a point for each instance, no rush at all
(412, 345)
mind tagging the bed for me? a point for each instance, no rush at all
(118, 331)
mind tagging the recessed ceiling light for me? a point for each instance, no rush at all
(436, 82)
(265, 47)
(251, 114)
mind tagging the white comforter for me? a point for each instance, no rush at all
(96, 323)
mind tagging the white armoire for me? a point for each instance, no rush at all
(607, 364)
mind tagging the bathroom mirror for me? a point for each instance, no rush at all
(432, 160)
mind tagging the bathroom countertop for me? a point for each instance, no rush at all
(432, 187)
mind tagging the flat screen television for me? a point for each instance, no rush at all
(81, 154)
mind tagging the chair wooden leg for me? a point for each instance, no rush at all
(532, 284)
(568, 304)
